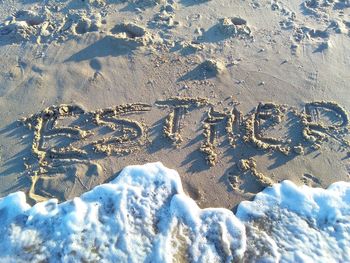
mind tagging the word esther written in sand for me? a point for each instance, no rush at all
(57, 144)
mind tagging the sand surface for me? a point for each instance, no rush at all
(234, 95)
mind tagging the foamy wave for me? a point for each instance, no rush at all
(144, 216)
(141, 216)
(298, 224)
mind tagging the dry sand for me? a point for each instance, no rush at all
(234, 95)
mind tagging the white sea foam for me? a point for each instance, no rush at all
(144, 216)
(298, 224)
(141, 216)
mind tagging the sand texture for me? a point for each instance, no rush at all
(234, 95)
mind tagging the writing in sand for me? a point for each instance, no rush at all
(67, 135)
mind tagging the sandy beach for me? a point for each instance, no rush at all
(235, 54)
(234, 95)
